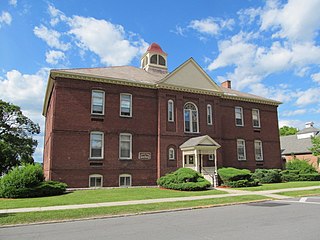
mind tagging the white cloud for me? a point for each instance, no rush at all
(211, 26)
(109, 41)
(294, 112)
(309, 96)
(291, 123)
(13, 3)
(5, 18)
(316, 77)
(51, 37)
(296, 20)
(53, 57)
(56, 15)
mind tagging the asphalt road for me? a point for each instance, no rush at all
(277, 220)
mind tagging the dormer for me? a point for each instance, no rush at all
(154, 60)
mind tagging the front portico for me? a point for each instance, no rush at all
(194, 150)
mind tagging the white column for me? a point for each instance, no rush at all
(215, 176)
(183, 159)
(196, 160)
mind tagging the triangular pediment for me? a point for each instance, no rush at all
(199, 141)
(190, 75)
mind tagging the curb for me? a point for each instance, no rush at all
(136, 214)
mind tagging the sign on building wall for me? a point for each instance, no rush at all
(145, 155)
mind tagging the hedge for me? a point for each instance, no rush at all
(267, 175)
(233, 177)
(184, 179)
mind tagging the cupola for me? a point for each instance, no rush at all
(154, 59)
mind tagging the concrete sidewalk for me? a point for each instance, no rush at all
(230, 193)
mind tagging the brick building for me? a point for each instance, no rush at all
(123, 126)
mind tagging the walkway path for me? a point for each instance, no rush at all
(231, 193)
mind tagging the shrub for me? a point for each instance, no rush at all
(309, 177)
(300, 165)
(184, 179)
(267, 175)
(27, 181)
(233, 177)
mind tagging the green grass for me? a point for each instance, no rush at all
(274, 186)
(100, 195)
(301, 193)
(32, 217)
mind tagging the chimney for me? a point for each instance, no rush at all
(226, 84)
(309, 124)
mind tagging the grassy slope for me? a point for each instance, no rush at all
(273, 186)
(100, 195)
(16, 218)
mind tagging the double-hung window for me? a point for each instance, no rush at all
(95, 180)
(170, 111)
(125, 146)
(171, 154)
(97, 102)
(96, 145)
(258, 150)
(239, 116)
(191, 123)
(241, 149)
(125, 105)
(125, 180)
(209, 114)
(256, 118)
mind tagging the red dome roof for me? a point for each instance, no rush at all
(154, 47)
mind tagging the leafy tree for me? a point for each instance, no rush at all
(285, 131)
(315, 149)
(16, 142)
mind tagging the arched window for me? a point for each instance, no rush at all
(162, 61)
(171, 154)
(191, 123)
(170, 111)
(209, 114)
(153, 59)
(95, 180)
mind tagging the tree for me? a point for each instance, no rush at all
(315, 149)
(16, 142)
(285, 131)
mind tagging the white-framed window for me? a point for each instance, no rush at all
(189, 160)
(125, 146)
(241, 149)
(209, 114)
(211, 157)
(239, 116)
(170, 111)
(256, 118)
(97, 102)
(171, 154)
(258, 150)
(96, 145)
(95, 180)
(125, 180)
(158, 59)
(125, 105)
(191, 122)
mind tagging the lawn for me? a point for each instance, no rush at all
(274, 186)
(100, 195)
(31, 217)
(301, 193)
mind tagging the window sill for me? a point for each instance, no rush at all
(256, 129)
(123, 116)
(96, 159)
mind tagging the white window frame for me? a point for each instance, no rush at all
(187, 160)
(170, 108)
(209, 114)
(103, 101)
(259, 144)
(190, 112)
(95, 176)
(256, 113)
(171, 154)
(130, 95)
(102, 144)
(241, 143)
(241, 116)
(130, 141)
(211, 157)
(125, 176)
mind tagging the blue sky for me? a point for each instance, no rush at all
(269, 48)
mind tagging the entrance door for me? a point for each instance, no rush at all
(189, 160)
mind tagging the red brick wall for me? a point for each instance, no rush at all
(313, 160)
(69, 138)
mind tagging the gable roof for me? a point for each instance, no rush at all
(309, 130)
(292, 145)
(199, 141)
